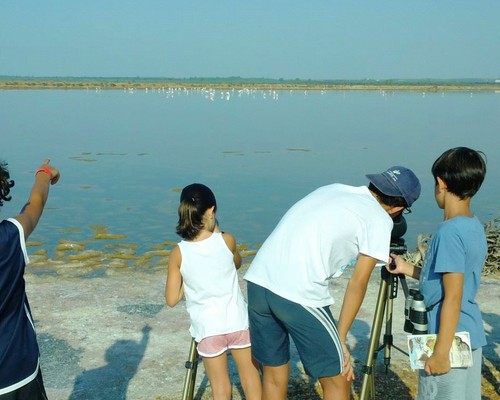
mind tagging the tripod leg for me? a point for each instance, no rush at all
(368, 387)
(388, 338)
(391, 295)
(191, 368)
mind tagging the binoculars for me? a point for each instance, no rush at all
(416, 321)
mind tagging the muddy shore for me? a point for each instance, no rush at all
(105, 333)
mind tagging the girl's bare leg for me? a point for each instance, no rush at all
(218, 375)
(248, 370)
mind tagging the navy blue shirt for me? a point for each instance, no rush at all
(19, 352)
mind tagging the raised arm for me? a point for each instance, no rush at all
(32, 210)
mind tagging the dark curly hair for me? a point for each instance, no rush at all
(5, 183)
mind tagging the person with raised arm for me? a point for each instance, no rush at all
(20, 374)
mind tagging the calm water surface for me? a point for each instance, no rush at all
(125, 155)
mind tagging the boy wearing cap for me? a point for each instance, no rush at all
(332, 228)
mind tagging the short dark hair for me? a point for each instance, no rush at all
(391, 201)
(462, 169)
(195, 200)
(5, 183)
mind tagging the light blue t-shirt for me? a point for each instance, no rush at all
(458, 246)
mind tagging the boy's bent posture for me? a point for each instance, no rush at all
(334, 227)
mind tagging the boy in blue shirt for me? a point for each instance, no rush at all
(450, 276)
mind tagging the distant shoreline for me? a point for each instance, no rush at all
(53, 84)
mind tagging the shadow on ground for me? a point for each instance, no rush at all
(111, 381)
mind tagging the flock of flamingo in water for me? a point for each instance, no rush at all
(214, 94)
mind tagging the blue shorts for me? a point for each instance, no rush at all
(33, 390)
(273, 320)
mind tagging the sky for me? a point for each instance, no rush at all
(295, 39)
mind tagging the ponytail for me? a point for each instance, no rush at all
(195, 200)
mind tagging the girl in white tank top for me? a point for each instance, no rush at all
(203, 268)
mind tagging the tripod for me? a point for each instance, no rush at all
(387, 292)
(191, 368)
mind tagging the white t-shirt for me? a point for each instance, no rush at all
(317, 239)
(214, 299)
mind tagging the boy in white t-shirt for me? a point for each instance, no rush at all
(334, 227)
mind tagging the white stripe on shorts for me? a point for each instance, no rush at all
(321, 315)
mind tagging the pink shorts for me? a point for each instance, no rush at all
(214, 346)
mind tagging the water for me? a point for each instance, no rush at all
(124, 156)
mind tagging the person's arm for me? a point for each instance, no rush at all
(174, 288)
(439, 362)
(32, 210)
(353, 298)
(231, 244)
(399, 266)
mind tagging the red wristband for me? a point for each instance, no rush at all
(46, 170)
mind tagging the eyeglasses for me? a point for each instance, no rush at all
(407, 211)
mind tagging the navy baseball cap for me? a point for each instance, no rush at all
(397, 181)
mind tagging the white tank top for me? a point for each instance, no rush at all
(214, 299)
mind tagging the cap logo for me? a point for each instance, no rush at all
(393, 174)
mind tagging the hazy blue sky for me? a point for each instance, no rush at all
(322, 39)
